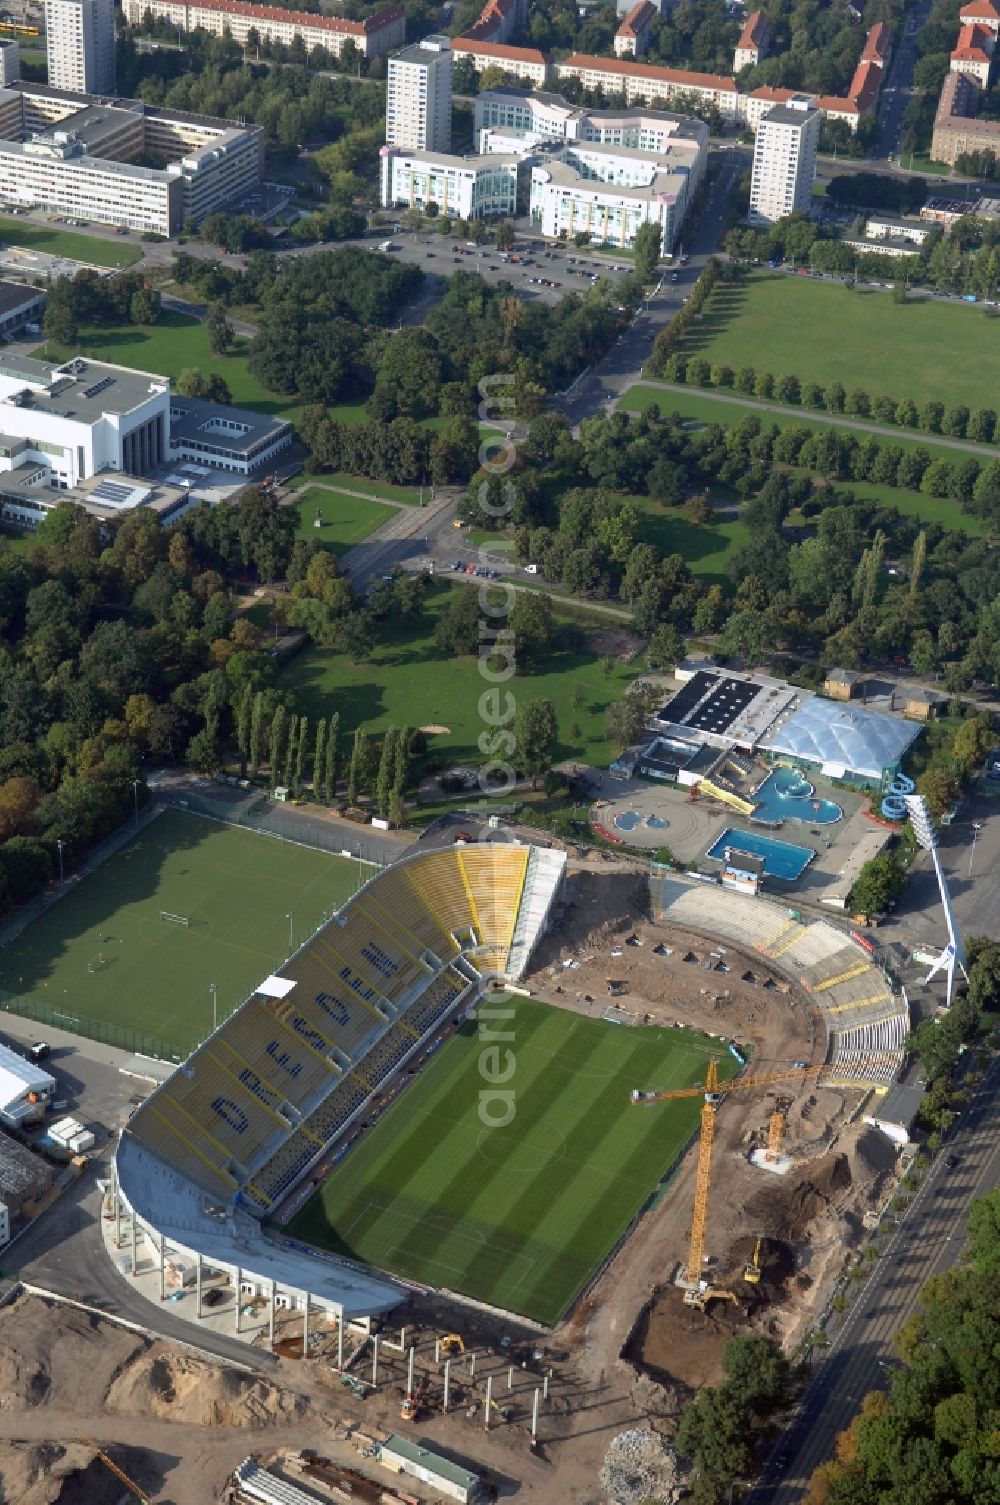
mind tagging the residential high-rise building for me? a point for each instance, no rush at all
(784, 160)
(418, 96)
(10, 62)
(80, 45)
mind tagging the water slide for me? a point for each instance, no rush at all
(706, 787)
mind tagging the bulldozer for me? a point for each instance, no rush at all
(450, 1344)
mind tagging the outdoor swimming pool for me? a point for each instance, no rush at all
(628, 820)
(787, 794)
(781, 859)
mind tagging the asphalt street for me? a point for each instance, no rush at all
(928, 1239)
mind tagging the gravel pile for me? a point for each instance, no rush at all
(639, 1466)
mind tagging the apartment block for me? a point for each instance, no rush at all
(80, 45)
(377, 34)
(418, 96)
(784, 161)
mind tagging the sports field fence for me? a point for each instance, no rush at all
(105, 1031)
(258, 812)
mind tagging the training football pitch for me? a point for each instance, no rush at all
(519, 1215)
(103, 962)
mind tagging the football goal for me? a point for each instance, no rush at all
(174, 919)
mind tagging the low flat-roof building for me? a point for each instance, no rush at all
(27, 497)
(945, 212)
(895, 246)
(220, 437)
(475, 187)
(843, 742)
(609, 192)
(25, 1089)
(19, 305)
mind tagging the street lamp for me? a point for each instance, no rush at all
(290, 917)
(135, 791)
(60, 844)
(215, 999)
(976, 828)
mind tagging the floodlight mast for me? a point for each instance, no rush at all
(953, 955)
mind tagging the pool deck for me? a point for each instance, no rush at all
(694, 826)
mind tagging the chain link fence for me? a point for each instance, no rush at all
(258, 812)
(104, 1031)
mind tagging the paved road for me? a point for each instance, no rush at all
(898, 89)
(928, 1240)
(983, 452)
(622, 366)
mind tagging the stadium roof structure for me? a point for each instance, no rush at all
(219, 1144)
(843, 738)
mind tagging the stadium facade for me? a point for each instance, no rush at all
(268, 1099)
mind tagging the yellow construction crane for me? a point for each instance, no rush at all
(753, 1271)
(133, 1488)
(714, 1094)
(775, 1129)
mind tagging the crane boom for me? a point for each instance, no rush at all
(131, 1486)
(738, 1084)
(714, 1094)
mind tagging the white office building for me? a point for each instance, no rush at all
(418, 97)
(784, 161)
(80, 45)
(536, 116)
(481, 187)
(608, 192)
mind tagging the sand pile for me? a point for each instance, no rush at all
(44, 1350)
(178, 1387)
(48, 1473)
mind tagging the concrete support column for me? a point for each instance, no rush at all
(409, 1372)
(447, 1383)
(118, 1215)
(135, 1256)
(163, 1268)
(197, 1276)
(489, 1402)
(534, 1418)
(305, 1328)
(270, 1319)
(375, 1362)
(239, 1297)
(340, 1340)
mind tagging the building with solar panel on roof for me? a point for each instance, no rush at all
(112, 439)
(719, 714)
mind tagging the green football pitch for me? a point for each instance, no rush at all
(518, 1215)
(103, 962)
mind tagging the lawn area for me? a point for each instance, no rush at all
(518, 1215)
(346, 519)
(409, 681)
(707, 547)
(820, 332)
(340, 480)
(698, 406)
(170, 346)
(152, 989)
(54, 242)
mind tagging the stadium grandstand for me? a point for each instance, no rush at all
(866, 1022)
(224, 1140)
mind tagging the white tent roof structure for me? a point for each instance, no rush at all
(18, 1077)
(843, 736)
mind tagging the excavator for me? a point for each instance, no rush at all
(714, 1095)
(755, 1268)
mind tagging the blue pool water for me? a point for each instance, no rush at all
(656, 823)
(787, 794)
(781, 859)
(627, 820)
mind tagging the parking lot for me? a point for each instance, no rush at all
(541, 271)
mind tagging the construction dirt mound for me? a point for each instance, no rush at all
(176, 1387)
(48, 1473)
(791, 1205)
(45, 1350)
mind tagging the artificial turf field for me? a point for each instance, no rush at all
(518, 1216)
(236, 888)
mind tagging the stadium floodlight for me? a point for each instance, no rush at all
(953, 955)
